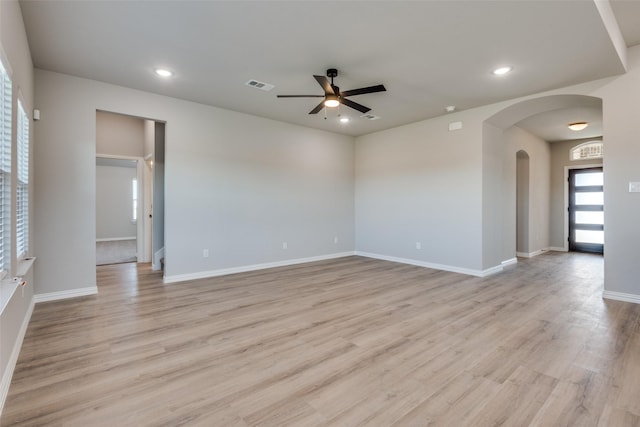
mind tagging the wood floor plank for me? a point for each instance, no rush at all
(345, 342)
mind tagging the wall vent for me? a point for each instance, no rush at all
(369, 117)
(260, 85)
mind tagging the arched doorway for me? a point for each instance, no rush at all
(513, 231)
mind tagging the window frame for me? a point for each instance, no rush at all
(23, 129)
(6, 143)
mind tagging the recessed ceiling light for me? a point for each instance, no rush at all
(450, 109)
(578, 126)
(502, 70)
(344, 119)
(162, 72)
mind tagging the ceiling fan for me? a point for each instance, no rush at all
(332, 95)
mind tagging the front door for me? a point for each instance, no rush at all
(586, 210)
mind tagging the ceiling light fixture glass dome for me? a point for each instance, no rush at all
(577, 126)
(331, 101)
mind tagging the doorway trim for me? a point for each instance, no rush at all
(140, 232)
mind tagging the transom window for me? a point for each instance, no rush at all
(587, 150)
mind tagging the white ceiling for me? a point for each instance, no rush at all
(428, 54)
(552, 125)
(627, 13)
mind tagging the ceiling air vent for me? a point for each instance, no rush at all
(369, 117)
(260, 85)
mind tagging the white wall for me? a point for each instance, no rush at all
(114, 206)
(493, 220)
(235, 184)
(422, 183)
(120, 135)
(621, 105)
(395, 176)
(516, 139)
(454, 192)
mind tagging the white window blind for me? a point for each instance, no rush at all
(5, 169)
(22, 191)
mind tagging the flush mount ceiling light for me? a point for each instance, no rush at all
(344, 119)
(162, 72)
(502, 71)
(578, 126)
(331, 101)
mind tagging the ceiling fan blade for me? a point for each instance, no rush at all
(317, 109)
(300, 96)
(363, 90)
(324, 82)
(355, 105)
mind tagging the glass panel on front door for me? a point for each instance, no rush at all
(586, 210)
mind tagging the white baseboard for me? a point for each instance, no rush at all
(467, 271)
(532, 254)
(72, 293)
(511, 261)
(13, 359)
(620, 296)
(156, 265)
(558, 249)
(246, 268)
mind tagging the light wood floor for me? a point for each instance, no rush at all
(346, 342)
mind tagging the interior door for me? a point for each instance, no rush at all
(586, 210)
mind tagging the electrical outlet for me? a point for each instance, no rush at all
(205, 253)
(418, 245)
(284, 245)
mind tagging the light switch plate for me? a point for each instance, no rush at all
(634, 187)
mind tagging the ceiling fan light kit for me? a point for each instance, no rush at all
(333, 97)
(331, 101)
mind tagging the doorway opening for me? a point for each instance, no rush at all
(129, 189)
(522, 203)
(116, 210)
(586, 210)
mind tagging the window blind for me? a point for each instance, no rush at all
(6, 100)
(22, 191)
